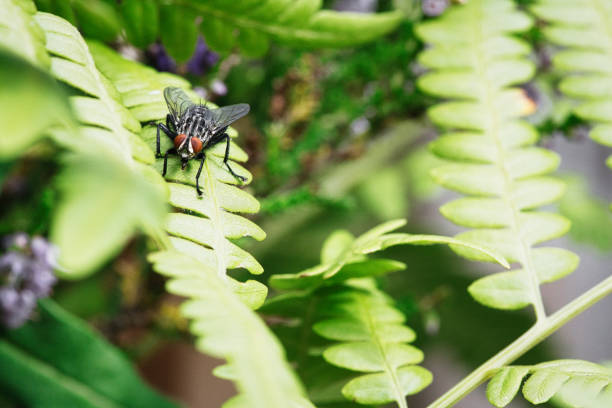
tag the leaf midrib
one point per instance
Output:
(269, 27)
(391, 372)
(525, 248)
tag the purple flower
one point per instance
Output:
(202, 59)
(26, 273)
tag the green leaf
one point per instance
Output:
(227, 328)
(68, 364)
(374, 340)
(110, 190)
(583, 29)
(141, 21)
(103, 177)
(21, 34)
(179, 33)
(570, 382)
(475, 64)
(504, 290)
(97, 19)
(504, 386)
(372, 389)
(299, 23)
(27, 86)
(342, 249)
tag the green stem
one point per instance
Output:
(527, 341)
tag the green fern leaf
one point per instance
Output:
(205, 228)
(104, 177)
(373, 340)
(299, 23)
(228, 329)
(342, 255)
(475, 62)
(583, 28)
(340, 295)
(95, 18)
(26, 85)
(141, 21)
(20, 34)
(575, 383)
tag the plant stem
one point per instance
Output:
(537, 333)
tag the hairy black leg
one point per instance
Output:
(225, 158)
(168, 133)
(170, 123)
(170, 150)
(203, 157)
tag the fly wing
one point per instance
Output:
(226, 115)
(177, 100)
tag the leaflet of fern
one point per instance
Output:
(251, 25)
(110, 154)
(340, 294)
(226, 328)
(583, 28)
(205, 226)
(475, 63)
(573, 383)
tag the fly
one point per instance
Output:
(194, 128)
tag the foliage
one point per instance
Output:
(335, 139)
(228, 329)
(107, 141)
(495, 162)
(571, 382)
(72, 367)
(340, 293)
(225, 24)
(582, 27)
(205, 226)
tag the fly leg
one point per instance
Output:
(203, 157)
(168, 133)
(219, 138)
(227, 147)
(170, 150)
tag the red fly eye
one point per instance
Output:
(196, 144)
(179, 139)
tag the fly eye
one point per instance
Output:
(196, 144)
(179, 139)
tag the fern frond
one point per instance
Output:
(103, 177)
(475, 61)
(207, 224)
(340, 294)
(229, 329)
(95, 18)
(373, 339)
(583, 28)
(250, 26)
(574, 383)
(20, 34)
(342, 250)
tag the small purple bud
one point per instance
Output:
(40, 280)
(16, 307)
(218, 87)
(44, 252)
(433, 8)
(13, 267)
